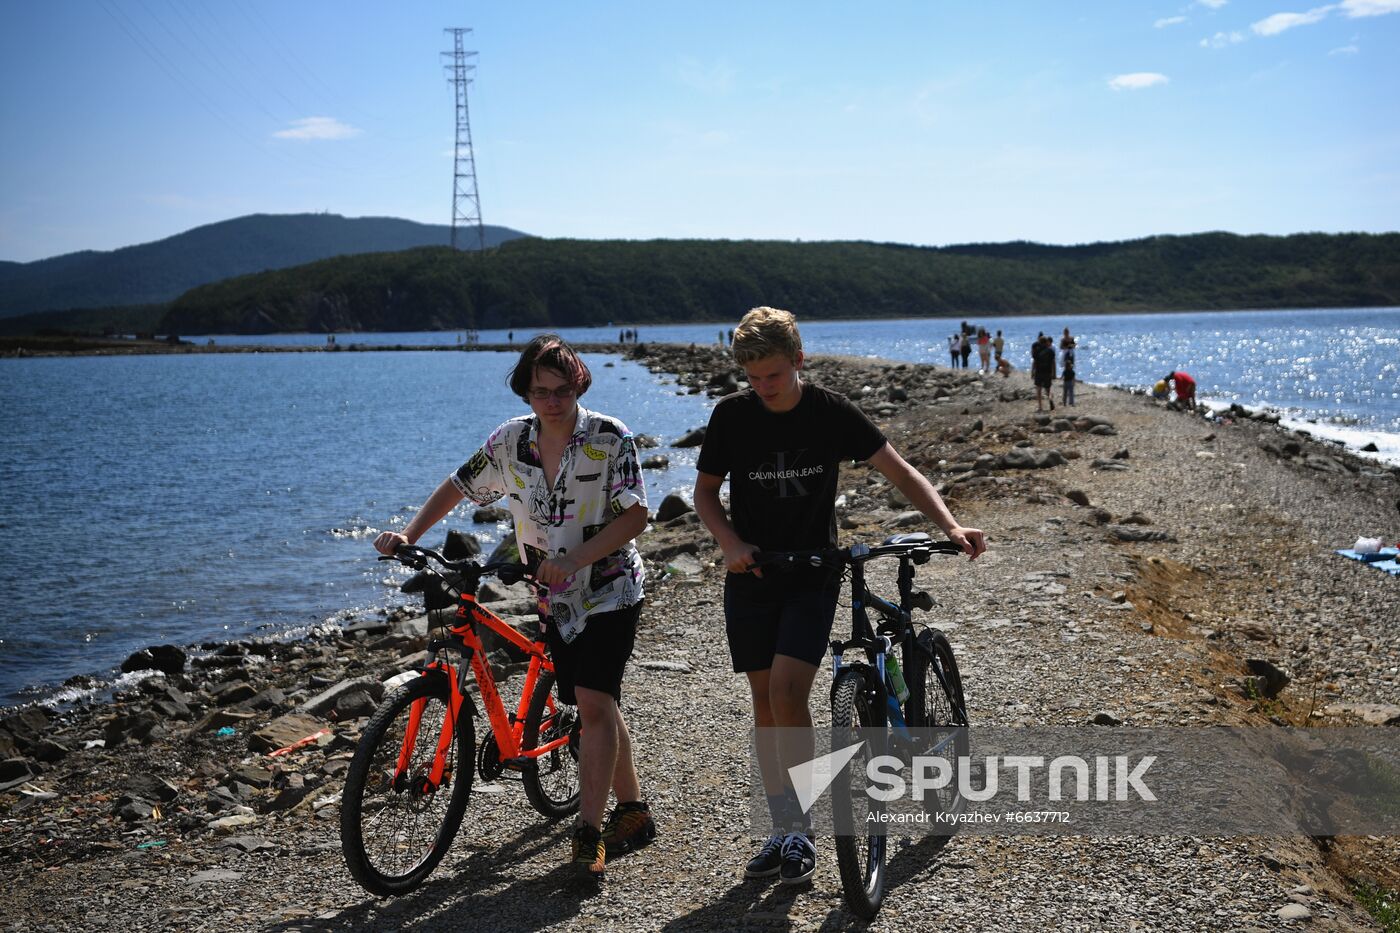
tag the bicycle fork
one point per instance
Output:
(438, 773)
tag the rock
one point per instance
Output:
(1371, 448)
(286, 730)
(1254, 631)
(49, 751)
(490, 514)
(1120, 455)
(1137, 518)
(148, 786)
(1372, 714)
(646, 441)
(905, 520)
(291, 790)
(167, 659)
(1078, 497)
(215, 876)
(249, 774)
(684, 565)
(1294, 912)
(1061, 425)
(1323, 464)
(1100, 463)
(139, 727)
(355, 704)
(329, 698)
(227, 824)
(1105, 718)
(656, 462)
(134, 810)
(1272, 679)
(1134, 533)
(1103, 429)
(1100, 516)
(671, 507)
(692, 439)
(220, 718)
(1031, 458)
(680, 667)
(270, 698)
(232, 692)
(506, 550)
(16, 771)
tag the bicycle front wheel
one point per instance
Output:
(936, 703)
(860, 850)
(396, 820)
(552, 784)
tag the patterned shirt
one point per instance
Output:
(599, 478)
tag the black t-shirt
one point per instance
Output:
(783, 468)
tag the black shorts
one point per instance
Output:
(787, 613)
(596, 658)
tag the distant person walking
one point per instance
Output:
(984, 350)
(953, 350)
(1043, 371)
(1067, 377)
(964, 348)
(998, 344)
(1185, 388)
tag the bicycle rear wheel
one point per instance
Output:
(860, 852)
(552, 785)
(936, 702)
(395, 826)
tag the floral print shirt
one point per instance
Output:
(599, 478)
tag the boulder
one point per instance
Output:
(286, 730)
(1271, 678)
(331, 697)
(1135, 533)
(168, 659)
(692, 439)
(1078, 497)
(483, 516)
(671, 507)
(656, 462)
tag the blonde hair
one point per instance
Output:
(765, 332)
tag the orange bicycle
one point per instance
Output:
(407, 786)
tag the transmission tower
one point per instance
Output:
(466, 203)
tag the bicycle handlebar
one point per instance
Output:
(918, 547)
(411, 555)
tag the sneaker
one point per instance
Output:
(799, 858)
(769, 859)
(628, 827)
(589, 853)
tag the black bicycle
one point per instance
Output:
(861, 698)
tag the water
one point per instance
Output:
(186, 499)
(182, 499)
(1337, 366)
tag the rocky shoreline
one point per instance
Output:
(1148, 567)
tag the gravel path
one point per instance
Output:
(1059, 622)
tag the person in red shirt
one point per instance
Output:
(1185, 388)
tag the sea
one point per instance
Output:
(197, 499)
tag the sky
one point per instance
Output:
(126, 121)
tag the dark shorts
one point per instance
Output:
(779, 613)
(596, 658)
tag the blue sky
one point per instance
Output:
(126, 121)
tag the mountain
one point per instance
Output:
(158, 272)
(541, 282)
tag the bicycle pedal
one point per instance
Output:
(519, 764)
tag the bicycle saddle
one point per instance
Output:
(913, 537)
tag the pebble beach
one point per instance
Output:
(1147, 567)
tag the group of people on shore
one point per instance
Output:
(960, 346)
(573, 485)
(1043, 369)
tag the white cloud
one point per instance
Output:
(1213, 4)
(1221, 39)
(711, 79)
(1168, 21)
(1358, 8)
(318, 128)
(1136, 81)
(1345, 50)
(1279, 22)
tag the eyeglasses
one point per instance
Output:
(563, 393)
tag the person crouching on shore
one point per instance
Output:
(562, 457)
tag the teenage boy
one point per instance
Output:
(781, 442)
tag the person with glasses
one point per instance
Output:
(572, 481)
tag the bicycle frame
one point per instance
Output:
(507, 728)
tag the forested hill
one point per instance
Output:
(533, 282)
(163, 270)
